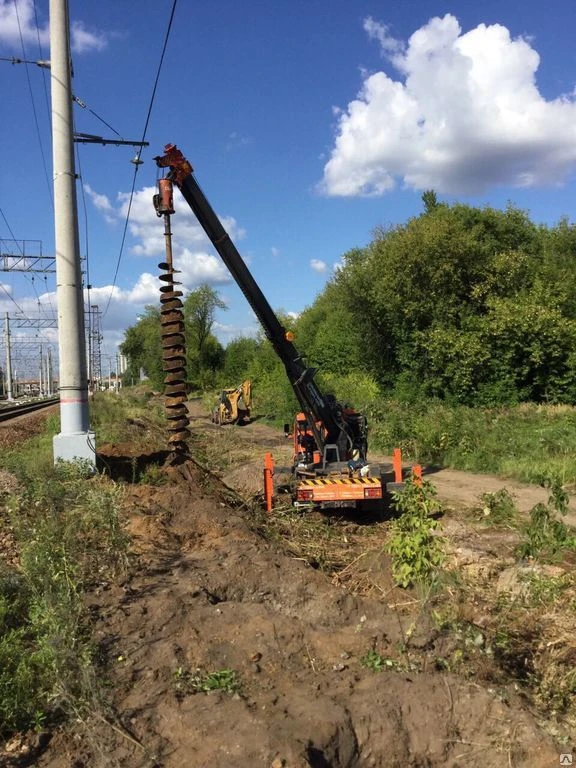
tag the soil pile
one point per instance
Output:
(223, 651)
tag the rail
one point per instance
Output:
(9, 412)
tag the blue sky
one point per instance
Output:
(309, 124)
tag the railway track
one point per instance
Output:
(9, 412)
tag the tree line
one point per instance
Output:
(470, 305)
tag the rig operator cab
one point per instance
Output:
(330, 465)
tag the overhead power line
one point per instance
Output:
(137, 161)
(34, 109)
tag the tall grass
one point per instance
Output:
(68, 533)
(111, 414)
(526, 442)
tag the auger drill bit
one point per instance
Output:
(172, 329)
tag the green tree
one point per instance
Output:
(239, 358)
(329, 334)
(417, 291)
(430, 201)
(143, 349)
(204, 352)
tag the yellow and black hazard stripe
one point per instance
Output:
(319, 481)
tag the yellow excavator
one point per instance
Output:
(234, 405)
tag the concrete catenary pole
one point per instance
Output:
(75, 440)
(9, 395)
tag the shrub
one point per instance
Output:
(415, 551)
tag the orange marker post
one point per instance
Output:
(397, 464)
(268, 481)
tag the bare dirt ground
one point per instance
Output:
(213, 599)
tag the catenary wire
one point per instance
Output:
(41, 52)
(144, 132)
(34, 109)
(85, 211)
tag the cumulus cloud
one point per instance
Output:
(191, 247)
(464, 114)
(19, 24)
(318, 265)
(192, 253)
(83, 40)
(102, 203)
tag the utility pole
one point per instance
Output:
(75, 440)
(49, 372)
(41, 374)
(9, 395)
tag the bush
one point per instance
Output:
(415, 551)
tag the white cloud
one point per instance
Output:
(190, 245)
(102, 203)
(225, 332)
(82, 40)
(379, 32)
(19, 24)
(464, 114)
(318, 265)
(275, 251)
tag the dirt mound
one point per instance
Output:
(223, 651)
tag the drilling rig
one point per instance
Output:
(330, 465)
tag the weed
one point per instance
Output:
(415, 551)
(186, 682)
(498, 509)
(544, 591)
(374, 661)
(153, 475)
(544, 536)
